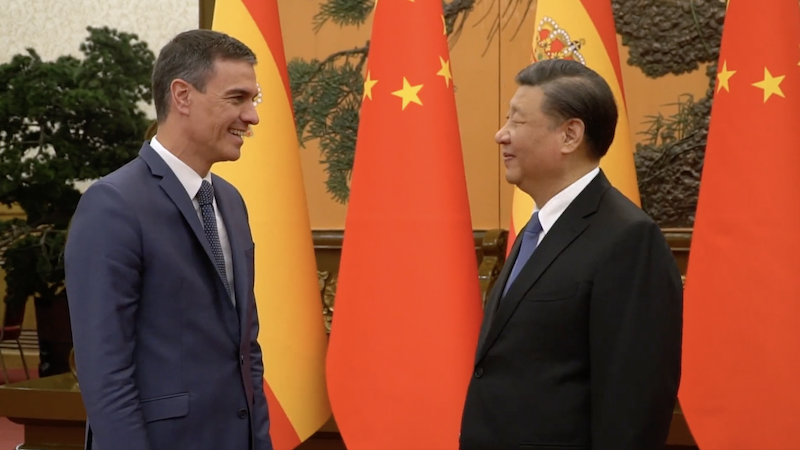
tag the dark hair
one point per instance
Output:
(572, 90)
(190, 56)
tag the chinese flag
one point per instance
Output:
(269, 176)
(589, 23)
(408, 311)
(741, 364)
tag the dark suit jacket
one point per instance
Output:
(584, 350)
(164, 359)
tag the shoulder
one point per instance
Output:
(128, 179)
(629, 224)
(115, 191)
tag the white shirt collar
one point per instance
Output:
(190, 179)
(552, 210)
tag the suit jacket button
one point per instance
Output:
(479, 372)
(242, 413)
(241, 359)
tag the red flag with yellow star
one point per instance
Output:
(407, 312)
(741, 363)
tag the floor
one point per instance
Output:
(11, 433)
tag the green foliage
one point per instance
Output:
(326, 94)
(343, 12)
(666, 130)
(327, 98)
(63, 121)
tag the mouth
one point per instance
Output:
(241, 133)
(507, 156)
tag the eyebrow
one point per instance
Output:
(240, 91)
(514, 109)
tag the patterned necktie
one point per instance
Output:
(205, 197)
(530, 239)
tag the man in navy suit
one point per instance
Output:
(159, 270)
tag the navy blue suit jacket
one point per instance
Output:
(164, 359)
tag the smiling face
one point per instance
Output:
(532, 143)
(219, 117)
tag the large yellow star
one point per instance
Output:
(368, 84)
(770, 85)
(445, 71)
(408, 93)
(724, 76)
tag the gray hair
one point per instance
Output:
(572, 90)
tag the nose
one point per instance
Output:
(250, 115)
(501, 137)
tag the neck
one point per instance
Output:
(543, 191)
(179, 145)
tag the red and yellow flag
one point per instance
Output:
(583, 30)
(269, 177)
(407, 316)
(741, 352)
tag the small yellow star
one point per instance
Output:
(445, 71)
(444, 27)
(368, 84)
(408, 93)
(770, 85)
(724, 76)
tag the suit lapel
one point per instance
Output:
(226, 201)
(567, 228)
(490, 308)
(177, 193)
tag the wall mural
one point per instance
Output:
(663, 37)
(672, 37)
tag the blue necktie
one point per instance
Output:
(530, 239)
(205, 197)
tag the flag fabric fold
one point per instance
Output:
(269, 176)
(741, 368)
(584, 31)
(407, 312)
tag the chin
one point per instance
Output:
(512, 177)
(232, 154)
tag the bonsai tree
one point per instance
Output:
(62, 122)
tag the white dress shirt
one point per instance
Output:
(191, 181)
(552, 210)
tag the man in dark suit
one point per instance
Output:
(159, 270)
(580, 347)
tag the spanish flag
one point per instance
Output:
(292, 334)
(741, 351)
(584, 31)
(408, 312)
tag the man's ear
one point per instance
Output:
(573, 135)
(180, 94)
